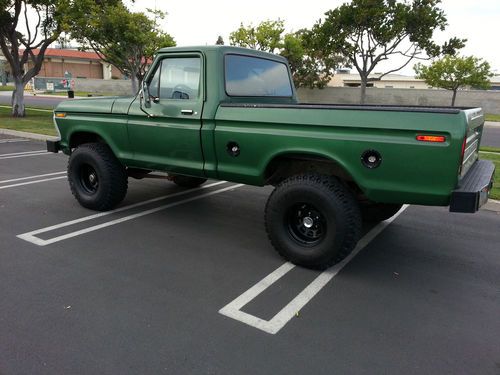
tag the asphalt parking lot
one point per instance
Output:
(186, 282)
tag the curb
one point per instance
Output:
(35, 136)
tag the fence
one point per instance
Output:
(95, 86)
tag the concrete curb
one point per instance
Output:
(492, 124)
(492, 205)
(35, 136)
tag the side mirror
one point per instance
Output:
(145, 96)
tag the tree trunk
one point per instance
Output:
(18, 109)
(363, 90)
(135, 84)
(453, 98)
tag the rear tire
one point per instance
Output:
(96, 177)
(187, 181)
(376, 212)
(313, 220)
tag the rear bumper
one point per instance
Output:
(53, 146)
(474, 188)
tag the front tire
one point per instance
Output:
(96, 177)
(313, 220)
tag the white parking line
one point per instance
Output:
(273, 326)
(31, 182)
(26, 155)
(23, 153)
(31, 177)
(13, 140)
(31, 236)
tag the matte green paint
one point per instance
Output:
(411, 171)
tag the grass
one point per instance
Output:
(490, 117)
(35, 122)
(495, 192)
(489, 149)
(6, 88)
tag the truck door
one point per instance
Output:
(169, 138)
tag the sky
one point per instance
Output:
(199, 22)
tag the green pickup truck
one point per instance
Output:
(227, 113)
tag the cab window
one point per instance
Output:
(177, 78)
(253, 76)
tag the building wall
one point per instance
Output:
(488, 100)
(79, 69)
(396, 81)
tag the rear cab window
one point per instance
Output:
(254, 76)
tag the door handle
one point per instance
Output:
(187, 111)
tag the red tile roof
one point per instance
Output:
(69, 54)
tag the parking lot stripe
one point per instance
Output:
(26, 155)
(273, 326)
(23, 153)
(31, 177)
(31, 236)
(13, 140)
(31, 182)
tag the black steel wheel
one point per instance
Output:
(313, 220)
(96, 177)
(89, 180)
(306, 224)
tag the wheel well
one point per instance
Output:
(284, 166)
(80, 138)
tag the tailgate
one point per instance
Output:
(475, 123)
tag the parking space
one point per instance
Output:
(185, 281)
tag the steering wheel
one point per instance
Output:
(181, 92)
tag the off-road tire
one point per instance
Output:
(99, 160)
(187, 181)
(331, 202)
(377, 212)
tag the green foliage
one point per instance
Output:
(455, 72)
(267, 36)
(310, 65)
(368, 32)
(127, 40)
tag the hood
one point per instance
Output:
(88, 105)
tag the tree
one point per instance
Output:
(124, 39)
(3, 74)
(220, 41)
(455, 72)
(18, 46)
(310, 66)
(368, 32)
(267, 36)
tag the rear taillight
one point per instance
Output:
(431, 138)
